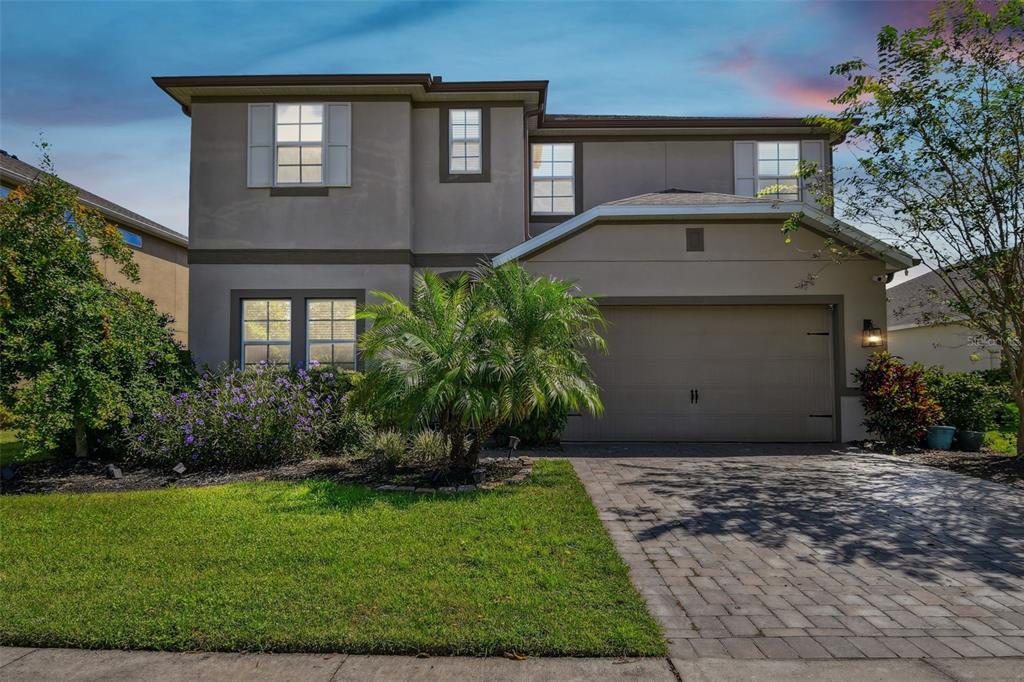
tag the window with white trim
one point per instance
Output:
(552, 175)
(777, 166)
(299, 144)
(465, 135)
(331, 332)
(266, 331)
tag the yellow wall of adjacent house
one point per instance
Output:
(163, 277)
(948, 345)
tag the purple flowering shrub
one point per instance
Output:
(252, 417)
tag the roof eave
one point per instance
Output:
(417, 86)
(166, 234)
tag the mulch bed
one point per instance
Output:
(991, 466)
(89, 476)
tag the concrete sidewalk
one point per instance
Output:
(73, 665)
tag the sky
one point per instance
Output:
(79, 73)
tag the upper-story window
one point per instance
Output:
(553, 184)
(300, 144)
(299, 140)
(130, 237)
(777, 166)
(465, 137)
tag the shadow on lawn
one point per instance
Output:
(327, 497)
(839, 509)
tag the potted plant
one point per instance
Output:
(968, 403)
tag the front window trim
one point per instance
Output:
(456, 136)
(553, 177)
(304, 108)
(268, 341)
(333, 340)
(771, 152)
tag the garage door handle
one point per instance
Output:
(696, 395)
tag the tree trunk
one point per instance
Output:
(1018, 396)
(483, 433)
(81, 440)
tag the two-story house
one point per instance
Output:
(308, 192)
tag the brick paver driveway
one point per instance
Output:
(814, 554)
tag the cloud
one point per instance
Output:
(807, 87)
(98, 71)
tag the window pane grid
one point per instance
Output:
(777, 167)
(331, 332)
(299, 138)
(553, 179)
(464, 141)
(266, 331)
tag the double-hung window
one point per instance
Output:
(553, 185)
(465, 141)
(331, 332)
(299, 143)
(266, 331)
(777, 166)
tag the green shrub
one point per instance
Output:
(967, 401)
(387, 449)
(897, 406)
(429, 448)
(246, 418)
(79, 355)
(541, 428)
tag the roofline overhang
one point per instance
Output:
(894, 258)
(165, 233)
(591, 125)
(419, 87)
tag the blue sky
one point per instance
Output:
(79, 72)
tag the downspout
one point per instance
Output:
(528, 167)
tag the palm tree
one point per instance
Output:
(538, 333)
(425, 360)
(471, 353)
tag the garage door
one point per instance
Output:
(713, 373)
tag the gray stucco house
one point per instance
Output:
(308, 192)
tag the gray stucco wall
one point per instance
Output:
(469, 217)
(211, 285)
(617, 169)
(374, 213)
(743, 260)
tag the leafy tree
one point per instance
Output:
(937, 131)
(77, 353)
(468, 354)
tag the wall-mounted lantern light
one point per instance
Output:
(872, 337)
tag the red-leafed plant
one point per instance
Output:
(897, 406)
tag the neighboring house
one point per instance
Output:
(309, 192)
(160, 252)
(921, 330)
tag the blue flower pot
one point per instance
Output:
(941, 437)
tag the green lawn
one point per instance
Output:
(317, 566)
(12, 451)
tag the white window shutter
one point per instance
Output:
(744, 156)
(812, 151)
(261, 145)
(339, 145)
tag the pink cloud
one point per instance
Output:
(798, 90)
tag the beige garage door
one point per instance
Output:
(713, 373)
